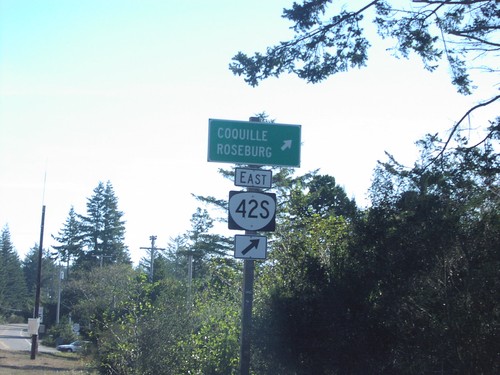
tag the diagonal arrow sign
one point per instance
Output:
(286, 144)
(253, 143)
(254, 244)
(250, 246)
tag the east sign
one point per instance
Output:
(256, 178)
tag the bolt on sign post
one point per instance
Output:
(253, 144)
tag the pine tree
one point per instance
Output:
(3, 281)
(13, 294)
(103, 230)
(114, 228)
(49, 274)
(70, 238)
(202, 244)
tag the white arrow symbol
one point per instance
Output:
(286, 144)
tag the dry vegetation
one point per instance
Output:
(19, 362)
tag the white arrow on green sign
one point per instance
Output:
(255, 143)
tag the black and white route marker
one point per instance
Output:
(250, 246)
(252, 211)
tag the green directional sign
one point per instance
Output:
(255, 143)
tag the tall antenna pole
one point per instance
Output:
(34, 337)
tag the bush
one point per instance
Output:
(62, 333)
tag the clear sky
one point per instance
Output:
(122, 90)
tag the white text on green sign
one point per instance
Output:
(257, 143)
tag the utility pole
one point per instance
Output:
(152, 255)
(190, 279)
(34, 337)
(60, 276)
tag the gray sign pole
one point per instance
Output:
(246, 320)
(247, 303)
(253, 145)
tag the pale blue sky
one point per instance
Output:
(122, 90)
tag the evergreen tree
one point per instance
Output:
(188, 256)
(49, 274)
(49, 282)
(331, 38)
(168, 263)
(70, 238)
(301, 294)
(114, 228)
(429, 258)
(175, 257)
(13, 292)
(3, 281)
(202, 244)
(103, 230)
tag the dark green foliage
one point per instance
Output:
(173, 262)
(71, 239)
(314, 54)
(60, 334)
(13, 293)
(429, 236)
(308, 307)
(203, 245)
(409, 285)
(49, 281)
(201, 241)
(320, 195)
(165, 325)
(330, 39)
(212, 345)
(102, 230)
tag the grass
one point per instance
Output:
(20, 362)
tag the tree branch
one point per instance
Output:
(489, 135)
(457, 125)
(325, 28)
(450, 2)
(464, 35)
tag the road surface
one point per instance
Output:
(15, 337)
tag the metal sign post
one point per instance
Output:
(252, 144)
(246, 316)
